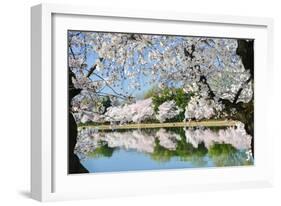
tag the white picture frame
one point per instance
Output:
(49, 178)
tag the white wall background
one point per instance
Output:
(15, 100)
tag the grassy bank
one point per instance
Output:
(205, 123)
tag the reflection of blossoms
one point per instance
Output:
(145, 140)
(237, 137)
(130, 140)
(167, 110)
(167, 139)
(141, 141)
(85, 143)
(88, 140)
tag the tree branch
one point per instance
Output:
(240, 90)
(120, 95)
(93, 68)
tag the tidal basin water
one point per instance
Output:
(162, 148)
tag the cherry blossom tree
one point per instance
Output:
(209, 66)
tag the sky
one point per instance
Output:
(145, 85)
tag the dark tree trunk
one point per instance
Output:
(74, 165)
(246, 51)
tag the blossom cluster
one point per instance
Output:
(136, 112)
(142, 110)
(168, 110)
(202, 108)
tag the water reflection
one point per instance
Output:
(164, 148)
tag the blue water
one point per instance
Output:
(123, 160)
(149, 149)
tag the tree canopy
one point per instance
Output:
(114, 65)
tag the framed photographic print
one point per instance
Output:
(137, 102)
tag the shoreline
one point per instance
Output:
(205, 123)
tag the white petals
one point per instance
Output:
(237, 137)
(136, 112)
(167, 110)
(201, 108)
